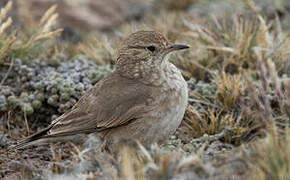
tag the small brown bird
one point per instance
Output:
(144, 99)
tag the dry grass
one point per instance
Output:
(229, 89)
(20, 45)
(249, 57)
(158, 164)
(228, 44)
(101, 49)
(6, 41)
(269, 158)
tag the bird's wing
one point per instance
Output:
(114, 101)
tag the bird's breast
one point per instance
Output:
(170, 102)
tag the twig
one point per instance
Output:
(26, 124)
(203, 102)
(214, 137)
(6, 75)
(8, 123)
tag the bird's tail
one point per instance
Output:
(30, 139)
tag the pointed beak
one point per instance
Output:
(175, 47)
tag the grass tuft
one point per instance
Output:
(21, 45)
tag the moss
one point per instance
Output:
(36, 104)
(66, 90)
(55, 75)
(58, 80)
(39, 86)
(24, 96)
(13, 100)
(40, 97)
(206, 90)
(64, 96)
(27, 108)
(53, 90)
(53, 100)
(99, 74)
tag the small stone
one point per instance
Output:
(18, 62)
(80, 87)
(31, 97)
(173, 137)
(23, 78)
(205, 135)
(4, 141)
(188, 148)
(54, 117)
(3, 103)
(6, 91)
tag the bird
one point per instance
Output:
(144, 99)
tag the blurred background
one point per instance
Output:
(99, 15)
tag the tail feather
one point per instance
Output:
(43, 134)
(28, 140)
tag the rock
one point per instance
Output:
(5, 90)
(176, 5)
(4, 141)
(84, 14)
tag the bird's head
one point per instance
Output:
(145, 50)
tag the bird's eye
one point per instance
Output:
(151, 48)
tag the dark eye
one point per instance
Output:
(151, 48)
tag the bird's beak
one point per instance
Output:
(175, 47)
